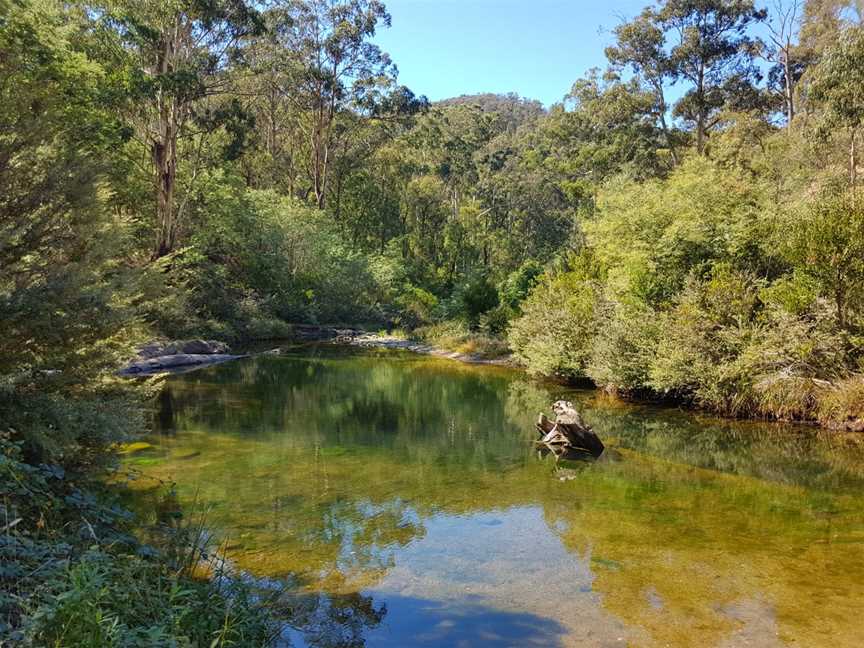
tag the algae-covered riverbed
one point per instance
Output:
(399, 500)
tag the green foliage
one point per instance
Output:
(454, 335)
(260, 260)
(415, 306)
(559, 319)
(838, 80)
(827, 244)
(652, 235)
(175, 169)
(519, 283)
(703, 336)
(105, 601)
(624, 348)
(73, 574)
(706, 295)
(64, 298)
(476, 296)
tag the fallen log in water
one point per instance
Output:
(568, 433)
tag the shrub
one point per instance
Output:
(842, 405)
(793, 359)
(702, 338)
(415, 306)
(624, 348)
(827, 245)
(495, 322)
(653, 235)
(519, 283)
(476, 297)
(74, 575)
(558, 323)
(107, 600)
(454, 335)
(256, 258)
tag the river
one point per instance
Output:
(398, 501)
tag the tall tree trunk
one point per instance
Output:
(788, 89)
(165, 160)
(853, 159)
(701, 116)
(164, 151)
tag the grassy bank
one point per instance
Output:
(455, 336)
(76, 567)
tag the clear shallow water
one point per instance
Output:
(399, 500)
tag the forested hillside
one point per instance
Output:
(687, 223)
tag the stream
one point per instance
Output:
(399, 501)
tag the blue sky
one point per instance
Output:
(537, 48)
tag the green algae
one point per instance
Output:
(338, 472)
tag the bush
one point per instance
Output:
(652, 236)
(107, 600)
(454, 335)
(553, 336)
(495, 322)
(258, 259)
(624, 348)
(476, 297)
(842, 405)
(827, 245)
(74, 575)
(519, 284)
(415, 306)
(702, 338)
(55, 427)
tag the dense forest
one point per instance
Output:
(685, 224)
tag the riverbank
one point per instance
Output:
(395, 342)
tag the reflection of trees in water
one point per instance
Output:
(770, 451)
(165, 414)
(365, 536)
(331, 620)
(425, 413)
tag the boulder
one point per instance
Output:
(161, 348)
(174, 362)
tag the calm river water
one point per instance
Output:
(399, 502)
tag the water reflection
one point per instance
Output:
(400, 497)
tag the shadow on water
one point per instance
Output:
(355, 620)
(438, 624)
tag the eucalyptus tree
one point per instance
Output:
(838, 86)
(782, 51)
(176, 54)
(328, 68)
(639, 46)
(823, 20)
(711, 49)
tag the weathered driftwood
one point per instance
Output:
(568, 432)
